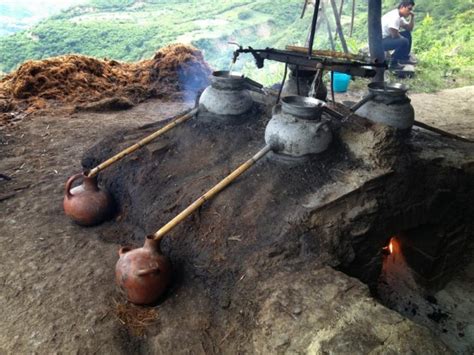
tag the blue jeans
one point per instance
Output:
(401, 45)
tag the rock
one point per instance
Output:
(340, 317)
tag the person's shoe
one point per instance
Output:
(407, 61)
(395, 66)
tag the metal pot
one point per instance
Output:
(296, 129)
(228, 94)
(387, 103)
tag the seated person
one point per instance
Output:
(392, 38)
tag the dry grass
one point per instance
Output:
(135, 318)
(77, 79)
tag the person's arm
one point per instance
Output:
(394, 33)
(410, 25)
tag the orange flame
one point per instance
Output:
(390, 246)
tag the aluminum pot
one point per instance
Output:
(296, 129)
(387, 103)
(227, 95)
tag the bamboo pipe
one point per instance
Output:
(209, 194)
(324, 53)
(182, 118)
(441, 132)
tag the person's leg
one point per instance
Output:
(407, 35)
(400, 45)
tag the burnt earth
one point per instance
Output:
(57, 279)
(338, 208)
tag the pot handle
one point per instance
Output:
(152, 270)
(253, 85)
(362, 102)
(69, 182)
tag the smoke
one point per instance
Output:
(193, 78)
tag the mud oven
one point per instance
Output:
(370, 196)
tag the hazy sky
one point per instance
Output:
(40, 3)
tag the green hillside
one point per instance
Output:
(131, 30)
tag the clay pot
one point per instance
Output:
(143, 274)
(227, 95)
(86, 204)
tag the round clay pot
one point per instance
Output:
(86, 204)
(143, 274)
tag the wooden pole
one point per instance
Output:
(339, 27)
(209, 194)
(375, 37)
(340, 8)
(314, 21)
(353, 15)
(440, 131)
(328, 27)
(142, 143)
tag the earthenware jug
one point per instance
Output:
(87, 204)
(143, 274)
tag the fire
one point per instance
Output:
(390, 248)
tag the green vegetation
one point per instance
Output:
(131, 30)
(443, 43)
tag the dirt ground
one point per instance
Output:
(57, 283)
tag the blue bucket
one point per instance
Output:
(341, 82)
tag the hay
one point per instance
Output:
(135, 318)
(79, 80)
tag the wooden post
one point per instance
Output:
(328, 25)
(340, 8)
(339, 27)
(375, 37)
(353, 15)
(313, 28)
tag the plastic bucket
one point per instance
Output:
(341, 82)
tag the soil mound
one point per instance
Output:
(79, 80)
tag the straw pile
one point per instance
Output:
(78, 80)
